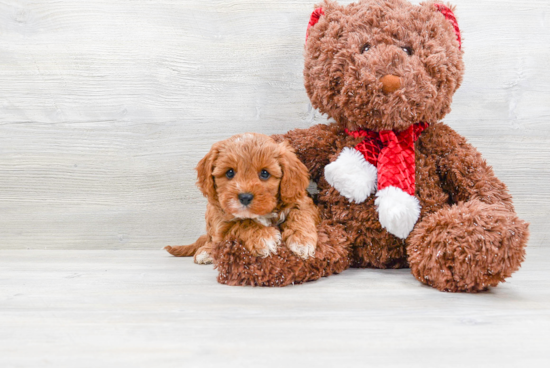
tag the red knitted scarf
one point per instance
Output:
(392, 153)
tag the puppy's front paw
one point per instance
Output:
(264, 243)
(301, 244)
(302, 250)
(203, 257)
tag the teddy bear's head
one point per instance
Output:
(383, 64)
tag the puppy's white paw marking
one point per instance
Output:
(302, 250)
(203, 258)
(352, 175)
(270, 244)
(397, 211)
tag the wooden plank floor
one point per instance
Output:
(139, 308)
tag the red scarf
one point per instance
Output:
(392, 153)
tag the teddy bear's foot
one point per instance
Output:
(467, 247)
(237, 266)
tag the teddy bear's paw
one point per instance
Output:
(397, 211)
(352, 175)
(203, 258)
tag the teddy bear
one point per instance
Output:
(397, 187)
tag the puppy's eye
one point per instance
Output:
(230, 174)
(408, 50)
(264, 175)
(365, 48)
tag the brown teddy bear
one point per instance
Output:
(397, 187)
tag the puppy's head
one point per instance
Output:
(250, 175)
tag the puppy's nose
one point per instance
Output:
(246, 198)
(390, 83)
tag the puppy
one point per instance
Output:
(256, 191)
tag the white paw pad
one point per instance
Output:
(352, 175)
(302, 250)
(397, 211)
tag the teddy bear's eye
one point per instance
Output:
(230, 174)
(365, 48)
(408, 50)
(264, 175)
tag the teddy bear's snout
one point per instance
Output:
(390, 83)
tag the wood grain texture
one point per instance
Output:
(107, 106)
(144, 308)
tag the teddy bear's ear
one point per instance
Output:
(327, 8)
(450, 16)
(315, 16)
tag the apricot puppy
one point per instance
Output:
(256, 191)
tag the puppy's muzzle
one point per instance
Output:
(245, 198)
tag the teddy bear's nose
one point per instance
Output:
(390, 83)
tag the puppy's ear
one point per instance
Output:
(205, 167)
(295, 178)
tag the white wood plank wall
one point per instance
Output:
(107, 106)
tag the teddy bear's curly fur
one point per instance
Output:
(467, 236)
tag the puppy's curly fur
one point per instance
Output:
(256, 191)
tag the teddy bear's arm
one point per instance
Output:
(479, 240)
(314, 146)
(464, 173)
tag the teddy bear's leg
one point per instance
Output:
(237, 266)
(467, 247)
(379, 250)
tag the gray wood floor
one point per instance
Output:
(139, 308)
